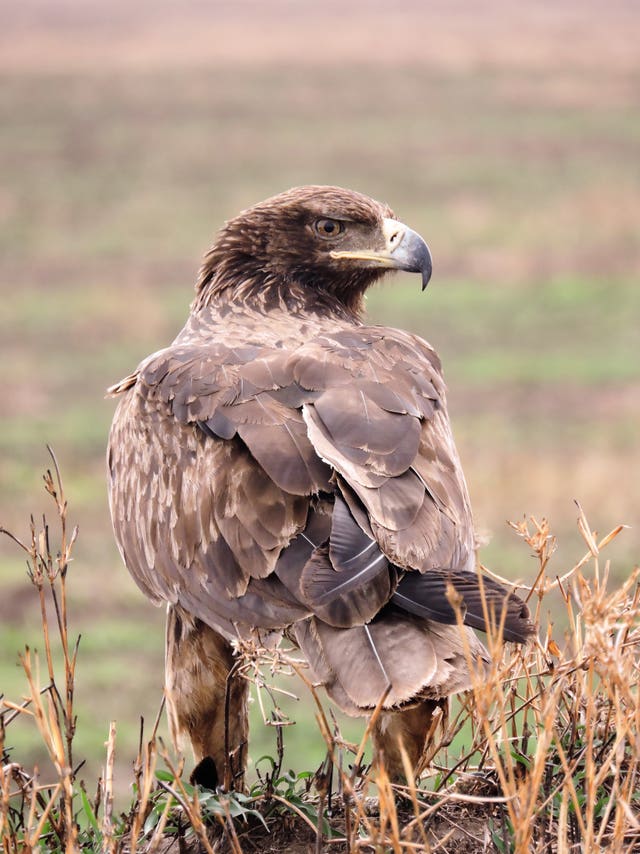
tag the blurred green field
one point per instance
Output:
(524, 180)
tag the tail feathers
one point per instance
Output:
(409, 656)
(425, 594)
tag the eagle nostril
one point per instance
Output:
(394, 232)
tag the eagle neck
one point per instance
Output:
(263, 293)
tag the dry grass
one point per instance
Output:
(552, 761)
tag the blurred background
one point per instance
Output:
(508, 134)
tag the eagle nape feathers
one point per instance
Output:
(284, 468)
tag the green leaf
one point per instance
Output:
(88, 811)
(152, 820)
(521, 759)
(165, 776)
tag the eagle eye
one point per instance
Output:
(328, 227)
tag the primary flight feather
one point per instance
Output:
(282, 467)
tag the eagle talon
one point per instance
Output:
(205, 774)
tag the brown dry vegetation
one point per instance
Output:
(551, 760)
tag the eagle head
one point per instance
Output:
(310, 241)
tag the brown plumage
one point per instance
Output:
(283, 467)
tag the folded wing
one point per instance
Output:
(264, 487)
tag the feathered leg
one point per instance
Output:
(197, 678)
(412, 727)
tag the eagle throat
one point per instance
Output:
(240, 278)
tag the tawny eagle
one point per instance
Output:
(283, 467)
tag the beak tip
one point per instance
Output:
(426, 270)
(413, 255)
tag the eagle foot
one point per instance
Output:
(205, 774)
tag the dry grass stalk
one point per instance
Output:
(51, 709)
(109, 841)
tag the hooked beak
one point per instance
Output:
(404, 250)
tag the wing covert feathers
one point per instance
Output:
(304, 478)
